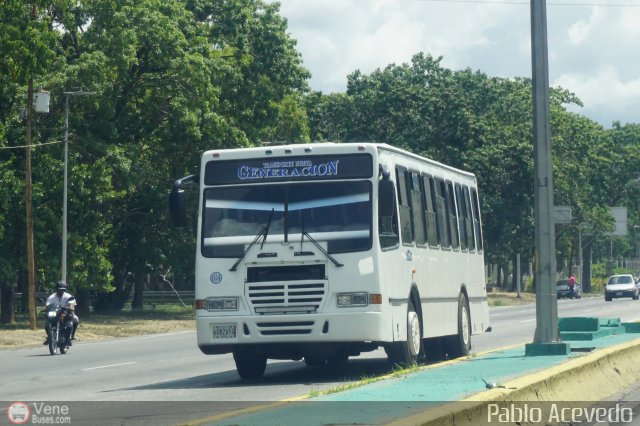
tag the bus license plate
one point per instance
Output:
(223, 331)
(618, 293)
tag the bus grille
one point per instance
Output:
(285, 328)
(271, 298)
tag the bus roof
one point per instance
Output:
(320, 148)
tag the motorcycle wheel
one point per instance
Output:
(53, 340)
(62, 341)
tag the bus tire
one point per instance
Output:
(460, 344)
(406, 353)
(250, 365)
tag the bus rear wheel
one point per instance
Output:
(460, 344)
(406, 353)
(250, 365)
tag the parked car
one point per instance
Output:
(563, 290)
(621, 286)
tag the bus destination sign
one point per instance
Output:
(318, 167)
(294, 169)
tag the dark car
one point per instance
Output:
(563, 290)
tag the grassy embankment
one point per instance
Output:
(126, 323)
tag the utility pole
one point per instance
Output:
(31, 283)
(546, 334)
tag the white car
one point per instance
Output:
(620, 286)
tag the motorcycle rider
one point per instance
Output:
(62, 299)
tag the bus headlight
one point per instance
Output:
(222, 304)
(353, 299)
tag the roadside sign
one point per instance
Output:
(562, 215)
(620, 222)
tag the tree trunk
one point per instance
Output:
(514, 274)
(138, 287)
(84, 302)
(586, 269)
(7, 304)
(501, 276)
(24, 289)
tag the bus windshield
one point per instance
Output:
(338, 213)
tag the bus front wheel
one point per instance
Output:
(250, 365)
(406, 353)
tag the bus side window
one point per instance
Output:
(387, 217)
(444, 234)
(406, 226)
(461, 217)
(417, 209)
(430, 210)
(468, 220)
(453, 217)
(476, 218)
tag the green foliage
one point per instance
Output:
(462, 118)
(483, 124)
(170, 80)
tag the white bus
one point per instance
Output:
(323, 251)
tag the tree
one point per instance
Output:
(26, 40)
(478, 123)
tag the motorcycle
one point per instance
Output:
(59, 319)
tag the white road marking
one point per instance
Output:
(528, 320)
(109, 366)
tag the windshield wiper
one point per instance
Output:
(266, 229)
(263, 232)
(303, 234)
(302, 253)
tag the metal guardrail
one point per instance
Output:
(154, 298)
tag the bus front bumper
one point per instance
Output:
(224, 334)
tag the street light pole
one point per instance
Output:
(67, 95)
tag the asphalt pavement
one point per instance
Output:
(187, 385)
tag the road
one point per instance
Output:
(170, 367)
(516, 324)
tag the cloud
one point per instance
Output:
(589, 46)
(579, 31)
(341, 36)
(605, 94)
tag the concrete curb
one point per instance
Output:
(591, 377)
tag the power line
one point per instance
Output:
(32, 145)
(527, 3)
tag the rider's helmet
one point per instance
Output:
(61, 285)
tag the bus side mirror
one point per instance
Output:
(178, 207)
(386, 198)
(178, 200)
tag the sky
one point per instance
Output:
(594, 45)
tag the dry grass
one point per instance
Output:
(97, 327)
(507, 298)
